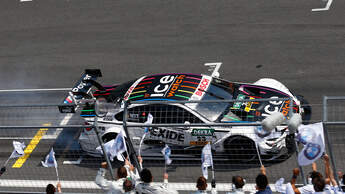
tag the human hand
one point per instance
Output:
(140, 159)
(104, 165)
(58, 186)
(166, 176)
(131, 168)
(263, 169)
(127, 162)
(325, 158)
(295, 171)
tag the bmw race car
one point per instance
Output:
(164, 91)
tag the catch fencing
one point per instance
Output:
(179, 125)
(77, 170)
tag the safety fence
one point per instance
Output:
(179, 124)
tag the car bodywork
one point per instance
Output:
(227, 141)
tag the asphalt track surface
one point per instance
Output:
(48, 44)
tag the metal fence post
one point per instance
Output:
(325, 98)
(110, 168)
(297, 150)
(131, 151)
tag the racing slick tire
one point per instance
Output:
(240, 148)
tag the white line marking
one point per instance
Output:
(24, 0)
(44, 137)
(73, 162)
(93, 185)
(64, 121)
(36, 90)
(325, 8)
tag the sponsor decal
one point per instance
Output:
(202, 132)
(161, 88)
(237, 105)
(176, 85)
(272, 107)
(203, 86)
(248, 107)
(286, 108)
(82, 84)
(130, 89)
(198, 143)
(167, 134)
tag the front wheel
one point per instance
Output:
(240, 148)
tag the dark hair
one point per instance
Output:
(319, 184)
(201, 183)
(121, 172)
(314, 175)
(238, 181)
(127, 185)
(145, 175)
(50, 189)
(344, 179)
(261, 181)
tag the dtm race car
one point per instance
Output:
(164, 91)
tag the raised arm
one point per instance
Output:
(295, 174)
(263, 170)
(100, 180)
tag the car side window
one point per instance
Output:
(162, 113)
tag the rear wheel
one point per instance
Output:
(240, 148)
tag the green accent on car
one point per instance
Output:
(238, 104)
(202, 132)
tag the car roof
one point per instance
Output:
(168, 87)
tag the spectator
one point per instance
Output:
(128, 187)
(319, 185)
(237, 185)
(112, 186)
(146, 187)
(262, 182)
(309, 188)
(201, 184)
(50, 189)
(341, 177)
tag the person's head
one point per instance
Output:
(313, 175)
(50, 189)
(201, 183)
(319, 184)
(238, 182)
(121, 172)
(127, 185)
(146, 176)
(261, 182)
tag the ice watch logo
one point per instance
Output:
(312, 151)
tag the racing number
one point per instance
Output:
(272, 107)
(201, 138)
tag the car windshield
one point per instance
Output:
(212, 111)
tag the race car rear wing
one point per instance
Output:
(81, 91)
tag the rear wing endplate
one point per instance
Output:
(81, 90)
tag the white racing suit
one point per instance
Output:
(149, 188)
(114, 187)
